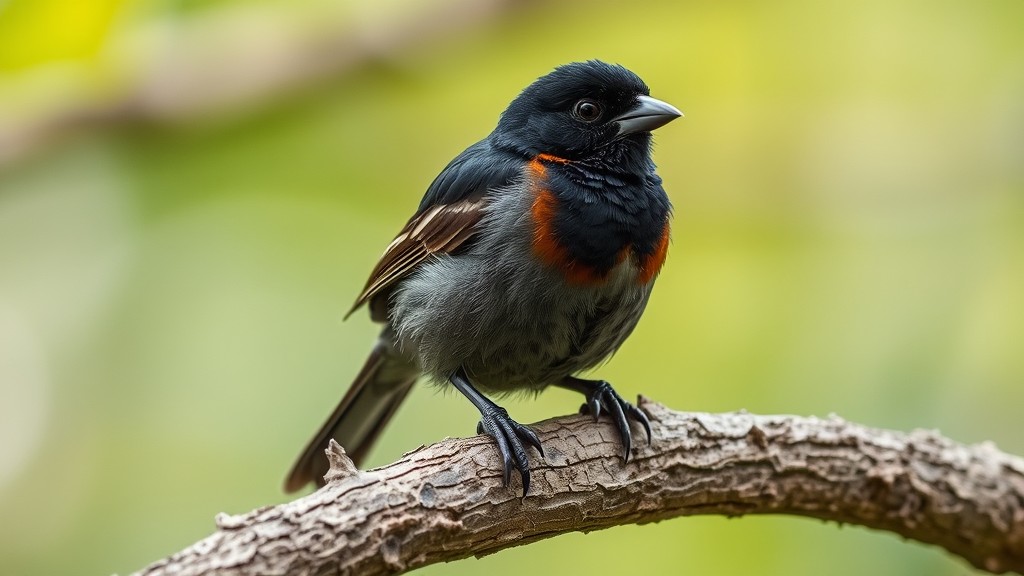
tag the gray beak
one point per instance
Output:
(649, 114)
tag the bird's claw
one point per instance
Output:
(603, 396)
(510, 436)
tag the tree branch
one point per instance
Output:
(445, 501)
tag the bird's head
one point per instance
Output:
(579, 109)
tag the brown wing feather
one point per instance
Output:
(439, 229)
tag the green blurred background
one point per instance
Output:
(192, 192)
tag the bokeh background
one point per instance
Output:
(192, 192)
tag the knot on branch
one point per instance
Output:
(341, 465)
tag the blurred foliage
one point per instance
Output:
(849, 238)
(40, 32)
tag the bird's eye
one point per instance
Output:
(587, 110)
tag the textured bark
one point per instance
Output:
(445, 501)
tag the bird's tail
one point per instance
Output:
(376, 393)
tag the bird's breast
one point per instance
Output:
(586, 234)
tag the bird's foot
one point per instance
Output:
(601, 396)
(510, 437)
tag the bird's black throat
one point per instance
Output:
(608, 203)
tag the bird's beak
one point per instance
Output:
(649, 114)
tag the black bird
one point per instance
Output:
(529, 260)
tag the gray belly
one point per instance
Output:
(510, 321)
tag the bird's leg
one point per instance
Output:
(507, 433)
(601, 396)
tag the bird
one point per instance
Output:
(529, 260)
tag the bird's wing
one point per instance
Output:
(440, 229)
(447, 216)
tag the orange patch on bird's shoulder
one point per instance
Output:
(545, 205)
(547, 248)
(651, 264)
(551, 158)
(537, 168)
